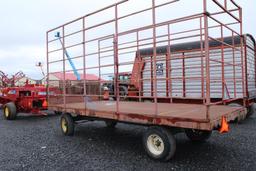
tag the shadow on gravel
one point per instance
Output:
(31, 117)
(129, 139)
(121, 138)
(248, 120)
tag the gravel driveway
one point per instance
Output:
(36, 143)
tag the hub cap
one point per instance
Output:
(155, 144)
(64, 125)
(6, 112)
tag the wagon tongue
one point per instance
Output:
(224, 126)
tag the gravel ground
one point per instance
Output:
(36, 143)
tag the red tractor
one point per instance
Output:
(27, 99)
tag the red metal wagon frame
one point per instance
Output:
(68, 102)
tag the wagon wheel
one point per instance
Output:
(238, 119)
(198, 135)
(110, 124)
(10, 111)
(251, 110)
(159, 143)
(57, 112)
(67, 124)
(123, 91)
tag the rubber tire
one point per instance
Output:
(168, 140)
(70, 124)
(12, 109)
(57, 112)
(251, 110)
(111, 124)
(198, 136)
(238, 119)
(123, 91)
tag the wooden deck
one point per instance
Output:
(180, 115)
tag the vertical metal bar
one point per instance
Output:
(47, 61)
(169, 64)
(202, 60)
(255, 65)
(234, 65)
(207, 59)
(154, 55)
(246, 67)
(139, 57)
(152, 75)
(99, 69)
(183, 74)
(116, 60)
(167, 74)
(225, 4)
(64, 69)
(84, 64)
(222, 64)
(242, 55)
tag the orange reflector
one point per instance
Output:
(224, 126)
(45, 104)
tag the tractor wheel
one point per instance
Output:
(57, 112)
(123, 91)
(10, 111)
(67, 124)
(251, 110)
(198, 135)
(159, 143)
(110, 124)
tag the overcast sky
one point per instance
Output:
(23, 26)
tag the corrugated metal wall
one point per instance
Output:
(250, 66)
(186, 69)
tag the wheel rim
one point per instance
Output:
(64, 125)
(6, 112)
(155, 144)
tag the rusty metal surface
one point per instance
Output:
(181, 115)
(107, 47)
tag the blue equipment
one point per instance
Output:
(69, 58)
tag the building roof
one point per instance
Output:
(71, 76)
(193, 45)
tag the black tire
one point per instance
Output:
(67, 124)
(111, 124)
(198, 135)
(238, 119)
(123, 91)
(159, 143)
(57, 112)
(10, 111)
(251, 110)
